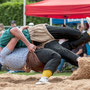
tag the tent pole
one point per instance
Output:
(65, 17)
(50, 21)
(24, 16)
(82, 21)
(64, 21)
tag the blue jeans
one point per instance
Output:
(61, 65)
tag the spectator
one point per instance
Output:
(60, 67)
(13, 23)
(31, 24)
(81, 50)
(88, 48)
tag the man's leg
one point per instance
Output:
(51, 60)
(66, 54)
(64, 32)
(59, 68)
(85, 37)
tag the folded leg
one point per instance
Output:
(49, 58)
(85, 37)
(64, 32)
(66, 54)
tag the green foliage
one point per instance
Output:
(11, 11)
(68, 67)
(62, 74)
(37, 20)
(14, 11)
(2, 1)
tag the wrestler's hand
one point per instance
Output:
(32, 47)
(24, 27)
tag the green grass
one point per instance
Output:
(33, 73)
(63, 74)
(1, 72)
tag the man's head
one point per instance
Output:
(13, 23)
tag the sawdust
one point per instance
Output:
(83, 72)
(23, 82)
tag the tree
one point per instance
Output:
(2, 1)
(35, 0)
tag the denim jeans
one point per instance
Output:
(61, 65)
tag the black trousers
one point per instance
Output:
(68, 55)
(49, 58)
(75, 37)
(64, 32)
(72, 44)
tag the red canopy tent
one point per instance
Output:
(59, 9)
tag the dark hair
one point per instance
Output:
(13, 21)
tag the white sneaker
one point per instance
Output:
(42, 81)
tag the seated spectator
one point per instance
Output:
(60, 67)
(88, 48)
(81, 50)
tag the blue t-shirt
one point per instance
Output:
(88, 49)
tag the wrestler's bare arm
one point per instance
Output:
(17, 33)
(23, 28)
(12, 43)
